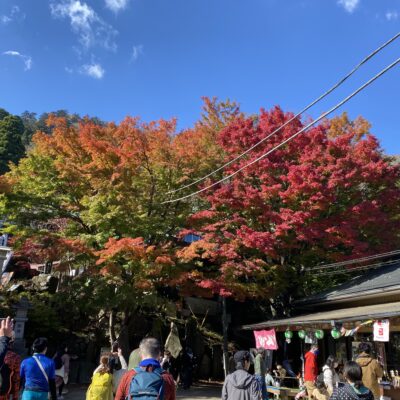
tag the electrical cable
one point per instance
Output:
(365, 267)
(335, 86)
(325, 114)
(353, 261)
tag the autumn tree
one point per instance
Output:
(322, 197)
(342, 125)
(91, 196)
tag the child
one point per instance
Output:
(321, 391)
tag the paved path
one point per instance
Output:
(198, 392)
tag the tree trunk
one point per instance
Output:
(123, 338)
(112, 327)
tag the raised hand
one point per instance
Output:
(6, 327)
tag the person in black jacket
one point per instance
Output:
(6, 331)
(354, 388)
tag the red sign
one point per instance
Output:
(266, 339)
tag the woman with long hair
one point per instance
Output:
(101, 387)
(331, 378)
(353, 389)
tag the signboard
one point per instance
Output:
(266, 339)
(381, 331)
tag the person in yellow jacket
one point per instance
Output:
(371, 369)
(101, 387)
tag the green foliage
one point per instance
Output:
(43, 318)
(34, 123)
(11, 147)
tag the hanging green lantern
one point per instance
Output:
(288, 334)
(319, 334)
(302, 334)
(335, 333)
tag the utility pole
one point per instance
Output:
(225, 336)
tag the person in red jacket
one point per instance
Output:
(311, 369)
(150, 351)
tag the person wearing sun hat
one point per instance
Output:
(240, 385)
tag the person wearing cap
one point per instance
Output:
(240, 385)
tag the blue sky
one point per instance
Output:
(157, 58)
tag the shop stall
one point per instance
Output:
(365, 309)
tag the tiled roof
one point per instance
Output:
(382, 279)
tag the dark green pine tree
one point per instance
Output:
(11, 147)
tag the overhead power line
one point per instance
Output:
(353, 261)
(335, 86)
(363, 268)
(325, 114)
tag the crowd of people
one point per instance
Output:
(356, 380)
(154, 375)
(151, 376)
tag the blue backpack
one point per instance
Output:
(147, 385)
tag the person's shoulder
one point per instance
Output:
(24, 362)
(339, 390)
(48, 360)
(28, 360)
(167, 377)
(128, 375)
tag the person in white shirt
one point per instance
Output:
(331, 378)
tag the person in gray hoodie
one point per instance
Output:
(240, 385)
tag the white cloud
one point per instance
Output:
(392, 15)
(93, 70)
(15, 14)
(136, 52)
(91, 29)
(26, 59)
(69, 70)
(5, 19)
(349, 5)
(116, 5)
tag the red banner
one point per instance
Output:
(266, 339)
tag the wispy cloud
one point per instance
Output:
(14, 15)
(392, 15)
(117, 5)
(136, 52)
(349, 5)
(85, 22)
(95, 71)
(26, 59)
(5, 19)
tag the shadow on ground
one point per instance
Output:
(200, 391)
(196, 392)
